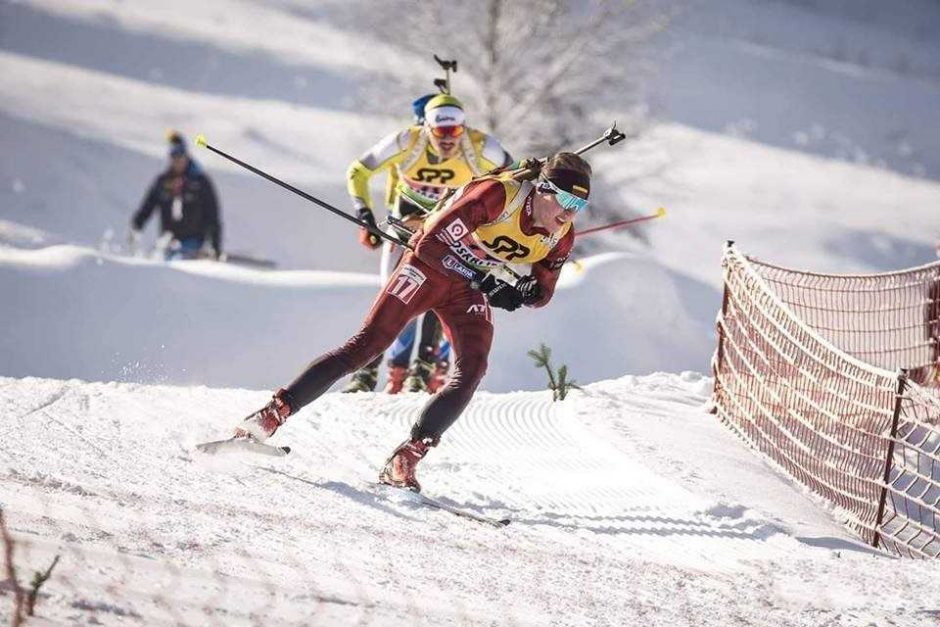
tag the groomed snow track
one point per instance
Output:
(611, 509)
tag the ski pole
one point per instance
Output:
(659, 213)
(201, 141)
(612, 136)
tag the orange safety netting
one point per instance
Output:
(802, 373)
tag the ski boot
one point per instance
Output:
(396, 379)
(262, 424)
(418, 376)
(363, 381)
(438, 377)
(400, 468)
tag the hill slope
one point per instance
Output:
(616, 519)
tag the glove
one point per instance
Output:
(367, 239)
(500, 294)
(510, 297)
(530, 163)
(532, 166)
(530, 289)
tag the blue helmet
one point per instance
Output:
(418, 107)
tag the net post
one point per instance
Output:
(720, 350)
(898, 395)
(933, 329)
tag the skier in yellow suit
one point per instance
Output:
(423, 162)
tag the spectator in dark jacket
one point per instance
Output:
(189, 213)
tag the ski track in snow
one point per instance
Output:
(594, 488)
(603, 523)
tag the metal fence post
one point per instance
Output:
(933, 329)
(720, 350)
(899, 393)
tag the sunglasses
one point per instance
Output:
(447, 131)
(566, 200)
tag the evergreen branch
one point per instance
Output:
(559, 386)
(39, 578)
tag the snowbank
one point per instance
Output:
(77, 313)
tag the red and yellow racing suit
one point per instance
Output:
(417, 179)
(485, 225)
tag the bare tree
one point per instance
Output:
(540, 75)
(535, 73)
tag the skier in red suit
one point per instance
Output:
(457, 269)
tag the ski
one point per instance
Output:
(447, 507)
(462, 513)
(248, 444)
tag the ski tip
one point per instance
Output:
(660, 212)
(201, 140)
(242, 444)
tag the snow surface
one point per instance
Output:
(630, 505)
(806, 131)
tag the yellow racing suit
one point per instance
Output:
(422, 176)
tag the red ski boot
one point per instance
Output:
(262, 424)
(400, 468)
(396, 379)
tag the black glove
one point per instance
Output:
(530, 289)
(367, 238)
(510, 297)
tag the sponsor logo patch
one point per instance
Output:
(432, 175)
(474, 257)
(507, 248)
(456, 230)
(452, 264)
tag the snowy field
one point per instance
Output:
(629, 504)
